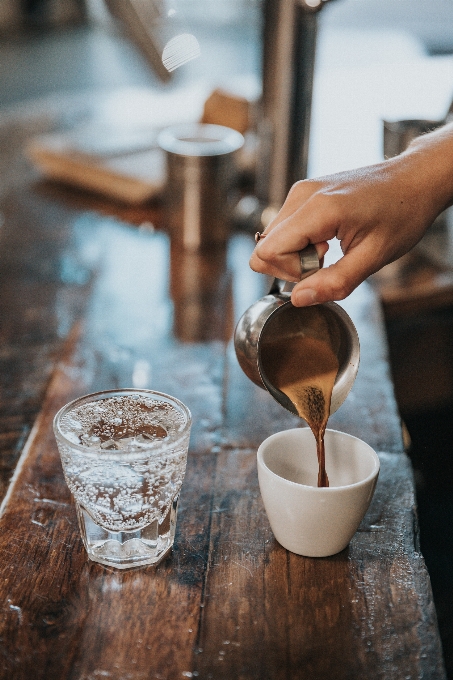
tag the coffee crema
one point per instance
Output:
(304, 366)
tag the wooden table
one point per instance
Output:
(90, 300)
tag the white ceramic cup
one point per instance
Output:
(305, 519)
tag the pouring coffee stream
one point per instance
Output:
(307, 358)
(304, 366)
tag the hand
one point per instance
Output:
(378, 213)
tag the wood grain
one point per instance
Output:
(89, 301)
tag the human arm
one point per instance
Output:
(378, 213)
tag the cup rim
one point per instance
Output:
(317, 489)
(115, 454)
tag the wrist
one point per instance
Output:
(428, 161)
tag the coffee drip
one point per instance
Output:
(304, 365)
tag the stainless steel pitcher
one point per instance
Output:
(274, 316)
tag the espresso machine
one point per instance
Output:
(289, 30)
(288, 58)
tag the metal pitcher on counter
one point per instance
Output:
(274, 316)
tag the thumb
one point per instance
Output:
(332, 283)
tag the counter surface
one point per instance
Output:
(91, 298)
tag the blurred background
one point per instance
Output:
(376, 60)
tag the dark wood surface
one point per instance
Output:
(89, 299)
(416, 293)
(421, 281)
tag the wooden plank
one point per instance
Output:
(229, 602)
(61, 614)
(228, 589)
(272, 614)
(64, 617)
(398, 632)
(348, 616)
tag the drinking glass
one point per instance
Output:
(124, 455)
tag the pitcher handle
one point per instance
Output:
(309, 264)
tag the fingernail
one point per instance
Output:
(305, 297)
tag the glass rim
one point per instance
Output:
(138, 452)
(200, 140)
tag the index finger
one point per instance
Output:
(288, 266)
(313, 222)
(297, 195)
